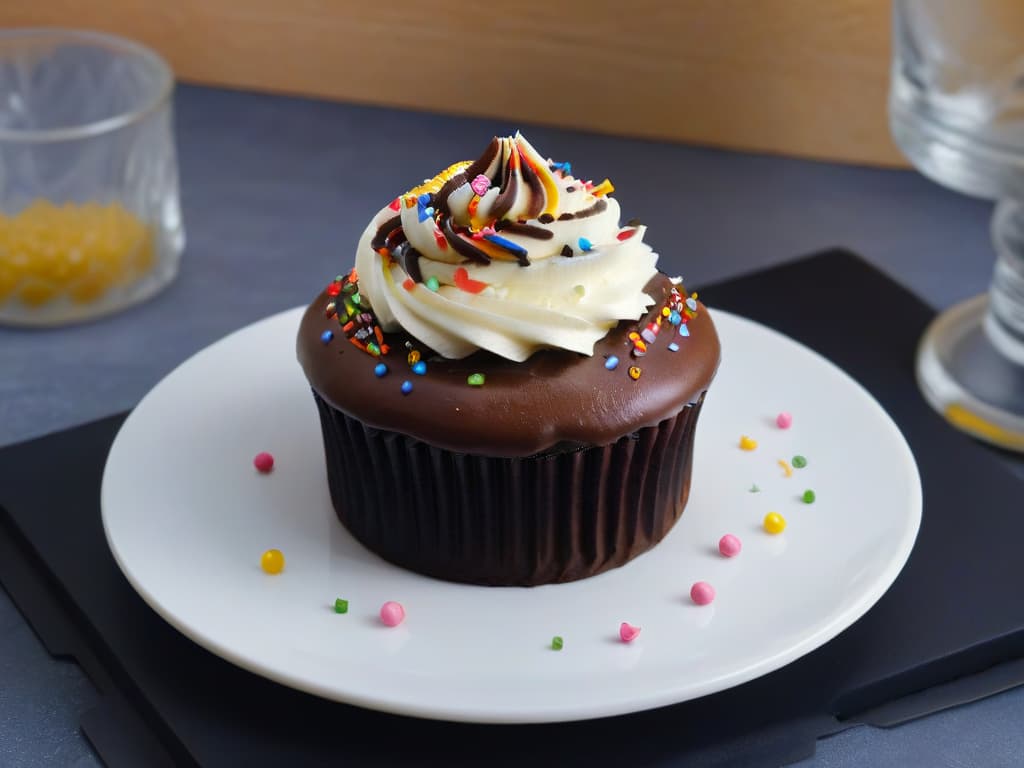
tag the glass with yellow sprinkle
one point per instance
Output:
(89, 215)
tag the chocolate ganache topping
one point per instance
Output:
(508, 253)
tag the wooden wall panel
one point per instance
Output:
(802, 77)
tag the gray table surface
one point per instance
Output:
(275, 192)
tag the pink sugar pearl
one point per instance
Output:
(729, 545)
(784, 420)
(702, 593)
(263, 462)
(627, 632)
(392, 613)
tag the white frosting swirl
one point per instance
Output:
(535, 297)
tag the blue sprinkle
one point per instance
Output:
(423, 199)
(673, 347)
(684, 331)
(692, 304)
(425, 213)
(419, 368)
(380, 370)
(508, 245)
(611, 363)
(406, 387)
(675, 318)
(585, 245)
(326, 337)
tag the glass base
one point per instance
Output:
(968, 380)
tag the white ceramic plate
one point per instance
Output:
(187, 518)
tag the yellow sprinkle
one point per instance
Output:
(786, 468)
(634, 372)
(665, 311)
(604, 188)
(747, 443)
(774, 523)
(272, 561)
(413, 357)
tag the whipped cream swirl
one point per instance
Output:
(509, 253)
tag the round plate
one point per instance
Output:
(187, 518)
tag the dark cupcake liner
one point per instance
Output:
(526, 521)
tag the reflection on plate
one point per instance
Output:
(188, 517)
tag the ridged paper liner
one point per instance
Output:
(508, 521)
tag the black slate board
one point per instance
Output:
(937, 638)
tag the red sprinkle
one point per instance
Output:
(465, 283)
(626, 234)
(441, 240)
(627, 632)
(395, 204)
(263, 462)
(333, 289)
(409, 284)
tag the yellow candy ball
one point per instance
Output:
(774, 523)
(272, 561)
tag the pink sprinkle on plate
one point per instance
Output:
(627, 632)
(784, 420)
(702, 593)
(263, 462)
(730, 545)
(392, 613)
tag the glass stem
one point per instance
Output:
(1004, 323)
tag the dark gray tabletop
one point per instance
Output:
(275, 192)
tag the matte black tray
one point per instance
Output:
(937, 638)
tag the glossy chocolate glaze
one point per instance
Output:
(555, 400)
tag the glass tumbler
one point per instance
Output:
(89, 215)
(956, 109)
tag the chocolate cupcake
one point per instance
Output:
(508, 387)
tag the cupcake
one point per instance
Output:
(508, 387)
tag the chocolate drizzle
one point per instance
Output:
(585, 213)
(509, 189)
(409, 258)
(481, 164)
(567, 251)
(384, 230)
(441, 198)
(525, 230)
(460, 245)
(395, 238)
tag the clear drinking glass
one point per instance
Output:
(956, 109)
(89, 214)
